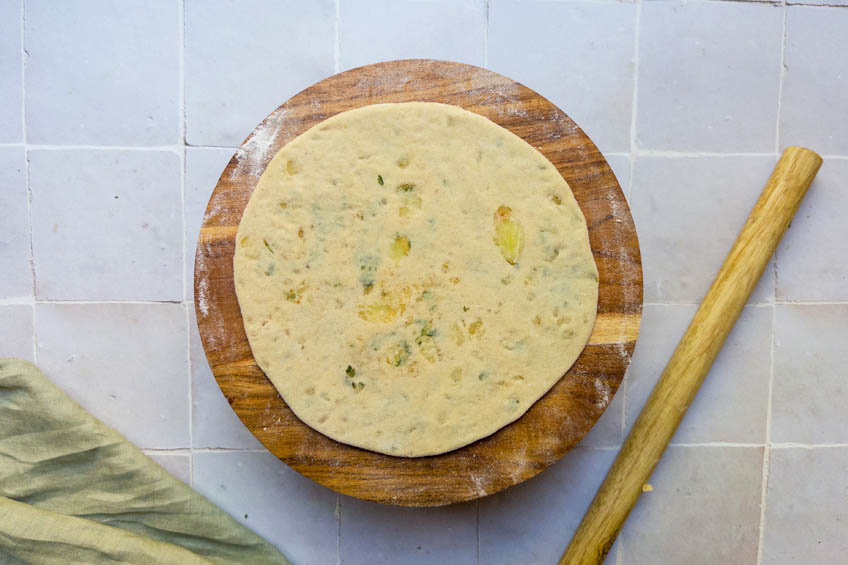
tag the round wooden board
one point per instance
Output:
(556, 422)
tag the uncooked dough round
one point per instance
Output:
(413, 277)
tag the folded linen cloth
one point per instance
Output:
(73, 490)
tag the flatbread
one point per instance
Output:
(413, 277)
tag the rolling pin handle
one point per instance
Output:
(694, 356)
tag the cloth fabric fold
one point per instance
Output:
(73, 490)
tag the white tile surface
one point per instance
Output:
(559, 50)
(532, 522)
(11, 93)
(124, 363)
(107, 225)
(620, 165)
(378, 30)
(102, 72)
(688, 212)
(810, 390)
(709, 75)
(16, 331)
(732, 402)
(203, 167)
(178, 464)
(16, 272)
(814, 109)
(811, 259)
(287, 509)
(607, 431)
(704, 508)
(245, 58)
(214, 424)
(807, 511)
(112, 73)
(373, 534)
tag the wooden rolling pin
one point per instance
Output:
(694, 355)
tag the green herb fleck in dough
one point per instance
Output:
(368, 265)
(268, 247)
(350, 371)
(401, 354)
(406, 187)
(465, 308)
(427, 295)
(270, 270)
(290, 296)
(426, 332)
(380, 180)
(483, 375)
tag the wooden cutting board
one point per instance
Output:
(556, 422)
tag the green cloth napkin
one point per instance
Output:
(73, 490)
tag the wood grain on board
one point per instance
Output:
(555, 423)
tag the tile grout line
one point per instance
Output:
(186, 314)
(738, 444)
(632, 165)
(616, 2)
(631, 156)
(477, 507)
(337, 47)
(231, 147)
(83, 147)
(339, 524)
(782, 78)
(809, 302)
(817, 5)
(639, 152)
(486, 8)
(791, 445)
(766, 2)
(24, 300)
(636, 39)
(27, 180)
(766, 449)
(181, 79)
